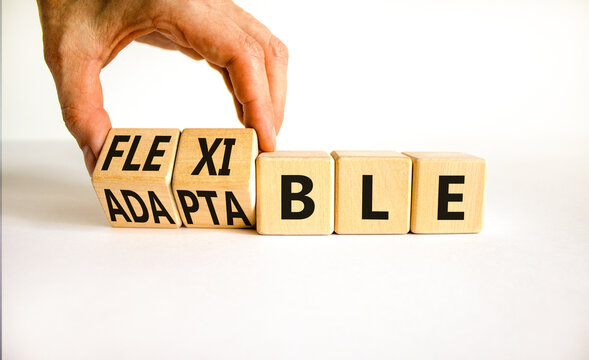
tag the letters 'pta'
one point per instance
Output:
(214, 177)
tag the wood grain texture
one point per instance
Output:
(133, 177)
(388, 175)
(230, 175)
(438, 180)
(271, 168)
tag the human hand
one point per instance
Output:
(82, 37)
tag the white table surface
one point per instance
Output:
(75, 288)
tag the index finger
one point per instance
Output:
(276, 54)
(222, 42)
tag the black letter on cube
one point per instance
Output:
(367, 212)
(287, 197)
(444, 197)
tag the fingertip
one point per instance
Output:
(267, 140)
(259, 116)
(89, 159)
(91, 136)
(98, 138)
(273, 139)
(277, 127)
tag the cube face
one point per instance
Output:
(133, 177)
(448, 192)
(295, 193)
(214, 177)
(372, 192)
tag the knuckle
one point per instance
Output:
(75, 120)
(72, 117)
(278, 48)
(252, 48)
(51, 55)
(56, 52)
(64, 47)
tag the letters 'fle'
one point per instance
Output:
(133, 177)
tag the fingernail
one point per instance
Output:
(89, 159)
(274, 137)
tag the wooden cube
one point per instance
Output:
(372, 192)
(448, 192)
(295, 193)
(133, 177)
(214, 177)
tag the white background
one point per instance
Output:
(474, 76)
(504, 80)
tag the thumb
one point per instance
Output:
(80, 95)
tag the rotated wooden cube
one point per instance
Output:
(214, 177)
(372, 192)
(295, 193)
(448, 192)
(133, 177)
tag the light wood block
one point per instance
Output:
(372, 192)
(295, 193)
(214, 177)
(133, 177)
(448, 192)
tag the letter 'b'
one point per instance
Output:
(287, 197)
